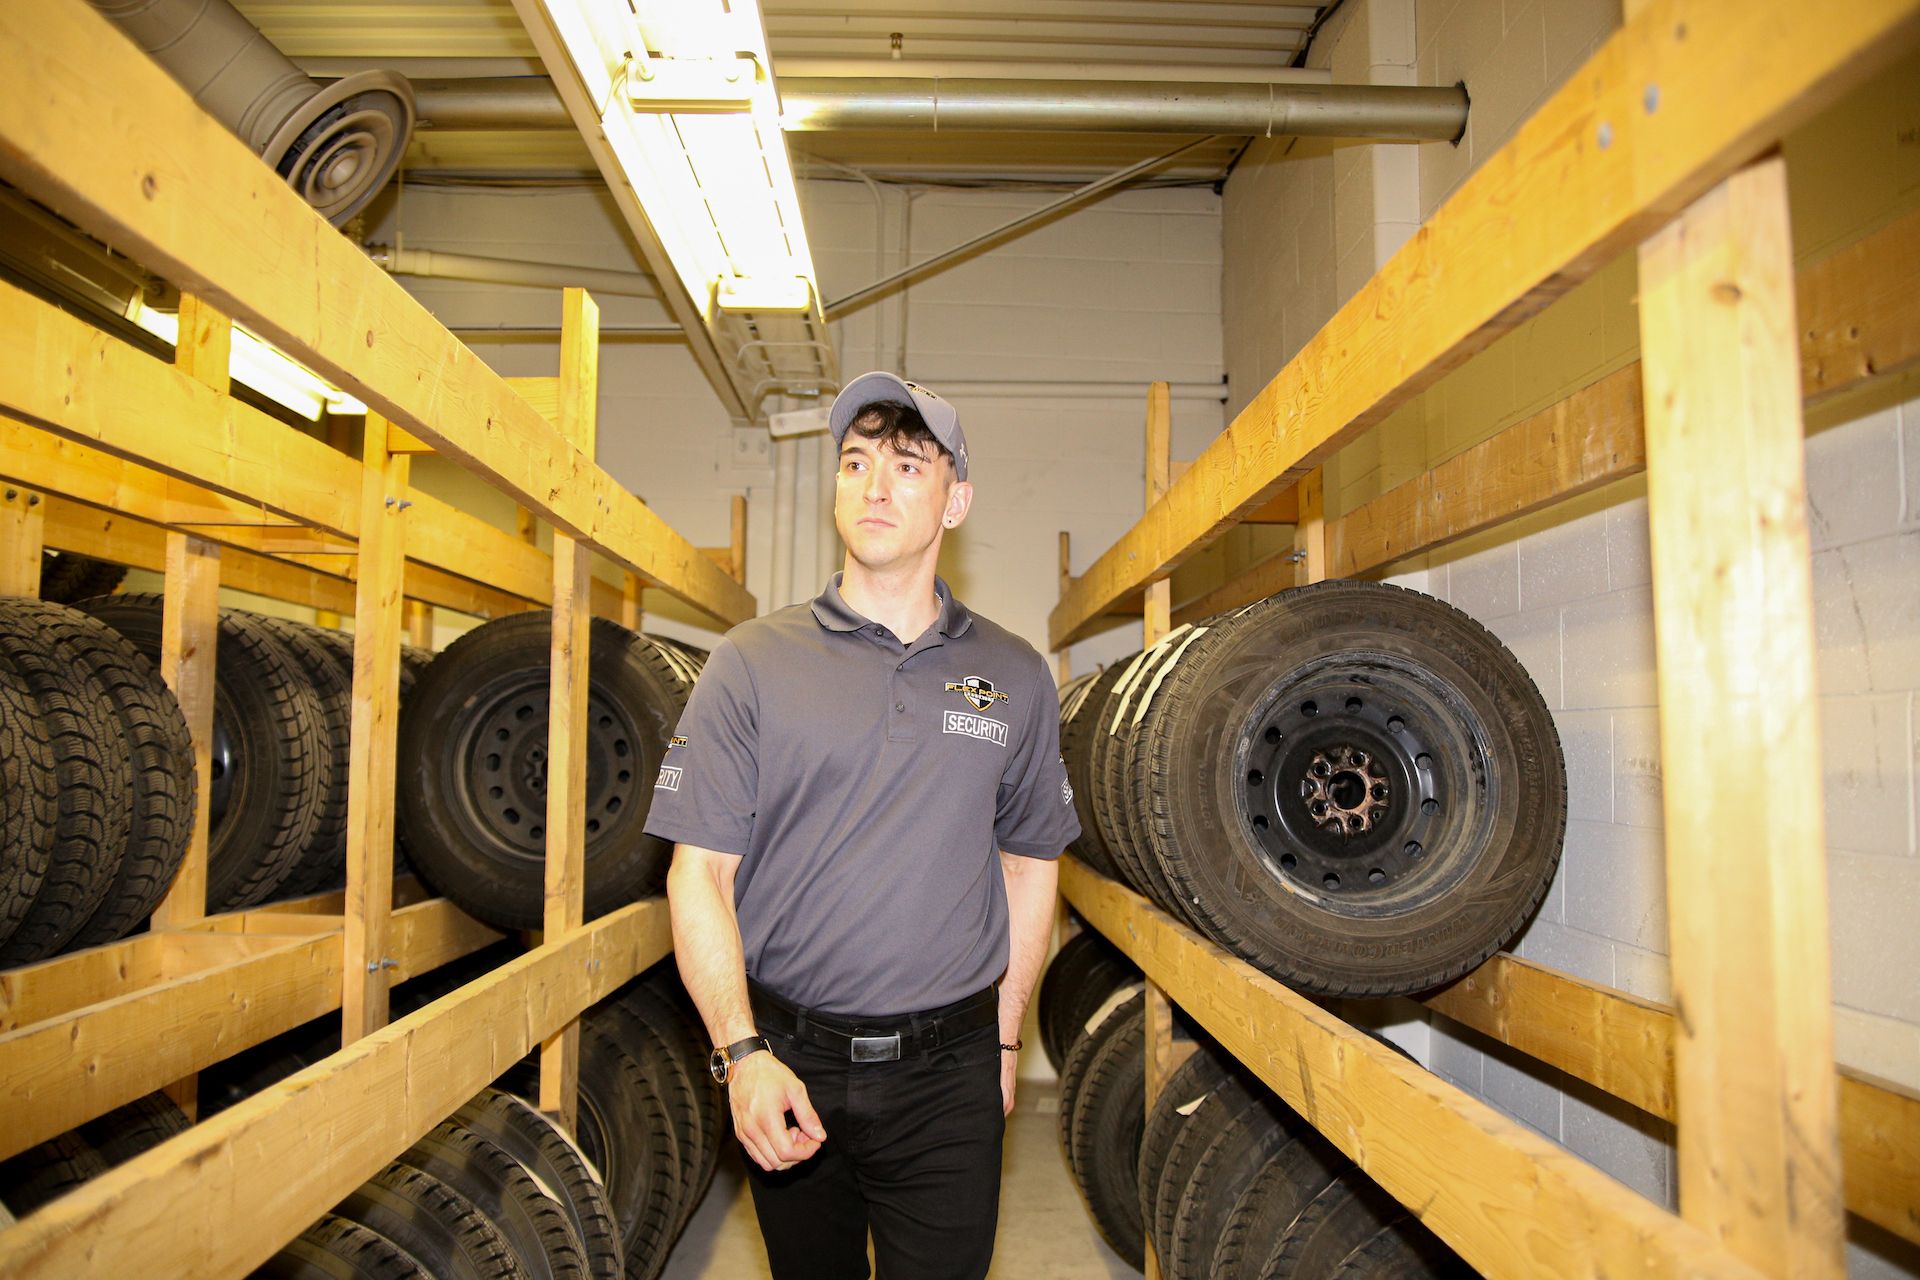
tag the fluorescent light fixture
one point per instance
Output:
(262, 366)
(689, 109)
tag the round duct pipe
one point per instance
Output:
(1383, 112)
(441, 265)
(336, 144)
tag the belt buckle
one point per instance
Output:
(877, 1048)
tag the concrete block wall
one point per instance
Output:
(1119, 293)
(1569, 590)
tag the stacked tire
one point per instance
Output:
(45, 1172)
(471, 792)
(1353, 786)
(96, 782)
(1226, 1180)
(283, 709)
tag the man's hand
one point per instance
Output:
(1009, 1076)
(761, 1093)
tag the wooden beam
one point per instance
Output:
(1310, 534)
(1588, 176)
(737, 537)
(177, 191)
(336, 1122)
(372, 750)
(189, 645)
(201, 997)
(632, 601)
(419, 624)
(1623, 1045)
(1859, 320)
(1758, 1148)
(1063, 660)
(1510, 1202)
(566, 862)
(1282, 508)
(84, 385)
(23, 535)
(542, 394)
(1156, 615)
(203, 349)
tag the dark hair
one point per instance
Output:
(894, 425)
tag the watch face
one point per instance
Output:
(719, 1065)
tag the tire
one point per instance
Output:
(641, 1017)
(1257, 1125)
(472, 787)
(1081, 1006)
(624, 1129)
(1079, 709)
(270, 758)
(557, 1164)
(1347, 1213)
(1101, 741)
(337, 1248)
(1126, 706)
(660, 988)
(29, 797)
(1193, 1079)
(534, 1223)
(161, 774)
(322, 861)
(1403, 1250)
(1087, 963)
(674, 1095)
(42, 1174)
(1108, 1113)
(92, 768)
(1435, 748)
(1286, 1184)
(135, 1128)
(67, 576)
(439, 1227)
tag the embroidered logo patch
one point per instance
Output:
(676, 741)
(976, 690)
(983, 727)
(1066, 792)
(669, 777)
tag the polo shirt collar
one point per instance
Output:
(831, 610)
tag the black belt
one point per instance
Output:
(874, 1039)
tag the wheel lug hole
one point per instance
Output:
(1429, 806)
(1309, 708)
(1288, 861)
(1330, 880)
(1272, 736)
(1260, 822)
(1353, 705)
(1376, 876)
(1396, 725)
(1255, 777)
(1413, 849)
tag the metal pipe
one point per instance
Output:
(841, 305)
(1271, 109)
(337, 144)
(439, 264)
(1386, 112)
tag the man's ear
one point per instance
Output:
(959, 502)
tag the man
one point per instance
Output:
(867, 798)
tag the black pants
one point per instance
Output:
(912, 1153)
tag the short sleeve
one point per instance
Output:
(705, 792)
(1035, 816)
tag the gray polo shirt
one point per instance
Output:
(866, 785)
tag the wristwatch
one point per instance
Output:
(720, 1063)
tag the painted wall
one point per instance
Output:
(1568, 591)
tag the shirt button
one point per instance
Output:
(900, 707)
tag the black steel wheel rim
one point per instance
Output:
(222, 773)
(1360, 780)
(501, 771)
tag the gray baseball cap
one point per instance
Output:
(941, 418)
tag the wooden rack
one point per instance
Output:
(1656, 146)
(108, 451)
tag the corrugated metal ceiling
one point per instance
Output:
(452, 37)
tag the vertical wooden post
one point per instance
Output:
(1733, 625)
(372, 755)
(525, 525)
(23, 521)
(1310, 531)
(1063, 660)
(632, 602)
(737, 539)
(567, 708)
(419, 622)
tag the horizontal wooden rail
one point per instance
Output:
(1587, 177)
(204, 997)
(337, 1123)
(1859, 312)
(1623, 1045)
(1510, 1202)
(95, 129)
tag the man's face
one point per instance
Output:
(891, 504)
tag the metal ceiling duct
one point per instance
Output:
(336, 144)
(1274, 109)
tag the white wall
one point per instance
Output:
(1121, 292)
(1569, 591)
